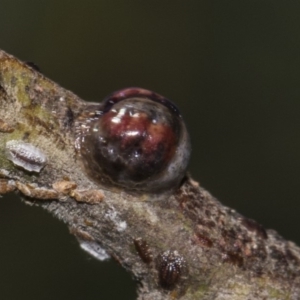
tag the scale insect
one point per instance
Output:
(25, 155)
(171, 266)
(135, 139)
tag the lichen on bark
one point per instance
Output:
(179, 244)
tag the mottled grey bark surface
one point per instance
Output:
(181, 244)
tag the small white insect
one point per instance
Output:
(112, 215)
(94, 249)
(25, 155)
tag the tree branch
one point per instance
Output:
(180, 244)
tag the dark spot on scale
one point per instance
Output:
(143, 250)
(196, 204)
(291, 256)
(68, 118)
(228, 234)
(26, 135)
(276, 254)
(260, 251)
(185, 180)
(37, 121)
(211, 224)
(13, 80)
(233, 258)
(253, 226)
(206, 223)
(183, 199)
(203, 240)
(208, 213)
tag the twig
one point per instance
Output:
(181, 244)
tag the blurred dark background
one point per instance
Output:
(233, 68)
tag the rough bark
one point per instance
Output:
(181, 244)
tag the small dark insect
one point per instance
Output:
(136, 138)
(33, 66)
(143, 250)
(170, 266)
